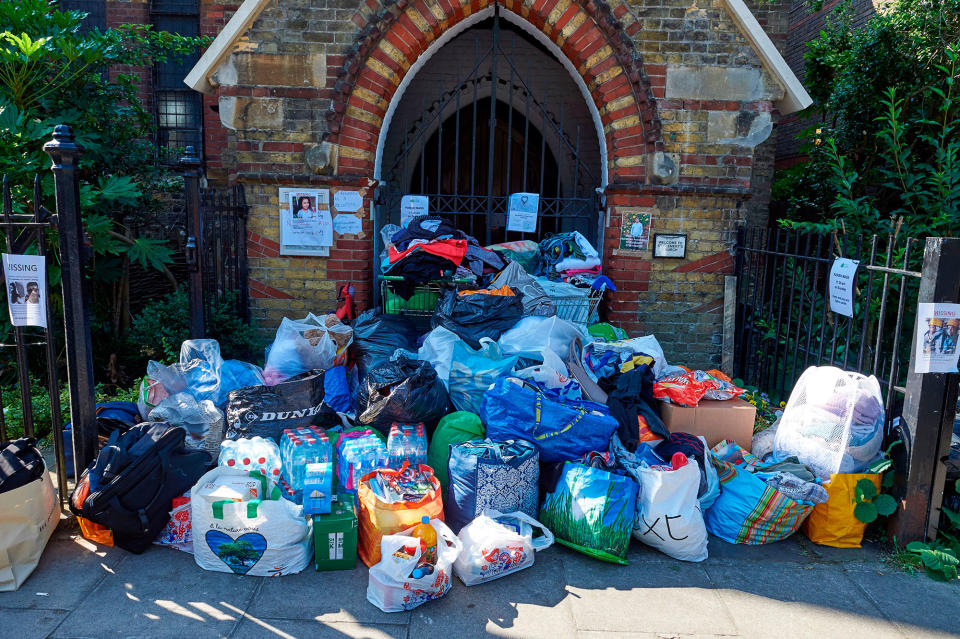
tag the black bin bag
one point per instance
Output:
(474, 316)
(406, 391)
(377, 336)
(267, 410)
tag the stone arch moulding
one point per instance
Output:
(587, 38)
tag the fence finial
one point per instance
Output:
(63, 149)
(190, 160)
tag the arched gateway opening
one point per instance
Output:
(493, 111)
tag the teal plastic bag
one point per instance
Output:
(472, 372)
(592, 511)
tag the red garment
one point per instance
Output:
(453, 250)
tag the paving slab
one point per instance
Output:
(261, 628)
(69, 568)
(650, 597)
(597, 634)
(30, 624)
(162, 593)
(344, 598)
(790, 550)
(784, 601)
(530, 603)
(918, 605)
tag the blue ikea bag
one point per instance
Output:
(560, 429)
(487, 475)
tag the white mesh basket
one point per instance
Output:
(833, 421)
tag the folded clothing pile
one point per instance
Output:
(567, 255)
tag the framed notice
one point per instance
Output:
(306, 227)
(670, 245)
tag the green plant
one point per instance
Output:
(939, 558)
(40, 402)
(870, 503)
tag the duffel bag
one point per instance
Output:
(268, 410)
(560, 429)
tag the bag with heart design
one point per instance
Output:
(401, 581)
(497, 544)
(242, 525)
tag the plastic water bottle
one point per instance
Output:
(228, 454)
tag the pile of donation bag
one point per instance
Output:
(463, 448)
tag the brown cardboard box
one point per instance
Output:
(716, 420)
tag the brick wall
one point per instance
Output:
(683, 99)
(132, 12)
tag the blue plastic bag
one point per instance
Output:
(561, 430)
(488, 474)
(336, 390)
(472, 372)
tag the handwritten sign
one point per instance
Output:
(413, 206)
(843, 280)
(347, 201)
(347, 223)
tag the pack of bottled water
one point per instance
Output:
(253, 454)
(302, 446)
(358, 456)
(407, 442)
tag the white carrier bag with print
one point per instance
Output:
(242, 525)
(668, 513)
(391, 586)
(497, 544)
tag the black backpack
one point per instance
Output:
(134, 479)
(20, 463)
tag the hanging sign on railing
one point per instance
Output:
(26, 277)
(938, 328)
(843, 281)
(522, 212)
(413, 206)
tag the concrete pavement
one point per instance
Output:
(789, 589)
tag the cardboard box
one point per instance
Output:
(335, 535)
(715, 420)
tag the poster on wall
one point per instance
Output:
(306, 227)
(635, 228)
(522, 212)
(413, 206)
(938, 327)
(347, 201)
(26, 279)
(843, 281)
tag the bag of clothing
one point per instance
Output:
(376, 337)
(497, 544)
(129, 488)
(535, 299)
(396, 584)
(242, 525)
(403, 390)
(526, 253)
(833, 522)
(454, 428)
(473, 372)
(592, 511)
(668, 513)
(560, 429)
(29, 512)
(201, 371)
(378, 517)
(631, 402)
(472, 317)
(485, 475)
(265, 411)
(533, 335)
(307, 344)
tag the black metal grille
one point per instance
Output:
(225, 249)
(178, 109)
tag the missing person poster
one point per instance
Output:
(26, 279)
(306, 227)
(938, 326)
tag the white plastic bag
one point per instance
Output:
(668, 513)
(533, 335)
(391, 588)
(437, 349)
(266, 537)
(552, 374)
(497, 544)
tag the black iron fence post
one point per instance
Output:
(929, 407)
(190, 164)
(65, 153)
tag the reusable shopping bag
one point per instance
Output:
(497, 544)
(378, 518)
(28, 516)
(267, 536)
(266, 411)
(668, 513)
(748, 511)
(454, 428)
(390, 586)
(488, 474)
(592, 511)
(561, 430)
(833, 523)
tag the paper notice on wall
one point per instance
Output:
(26, 278)
(347, 224)
(522, 212)
(843, 282)
(306, 227)
(413, 206)
(347, 201)
(937, 330)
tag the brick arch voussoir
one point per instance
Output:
(397, 32)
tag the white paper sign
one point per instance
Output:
(522, 212)
(306, 227)
(413, 206)
(346, 224)
(347, 201)
(843, 281)
(938, 326)
(26, 277)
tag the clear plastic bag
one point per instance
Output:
(202, 420)
(533, 335)
(307, 344)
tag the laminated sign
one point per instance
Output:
(843, 281)
(937, 331)
(26, 277)
(522, 212)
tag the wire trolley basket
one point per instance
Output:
(579, 309)
(423, 302)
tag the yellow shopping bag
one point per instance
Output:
(833, 523)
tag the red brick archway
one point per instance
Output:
(595, 39)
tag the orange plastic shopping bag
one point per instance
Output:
(90, 530)
(378, 517)
(833, 523)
